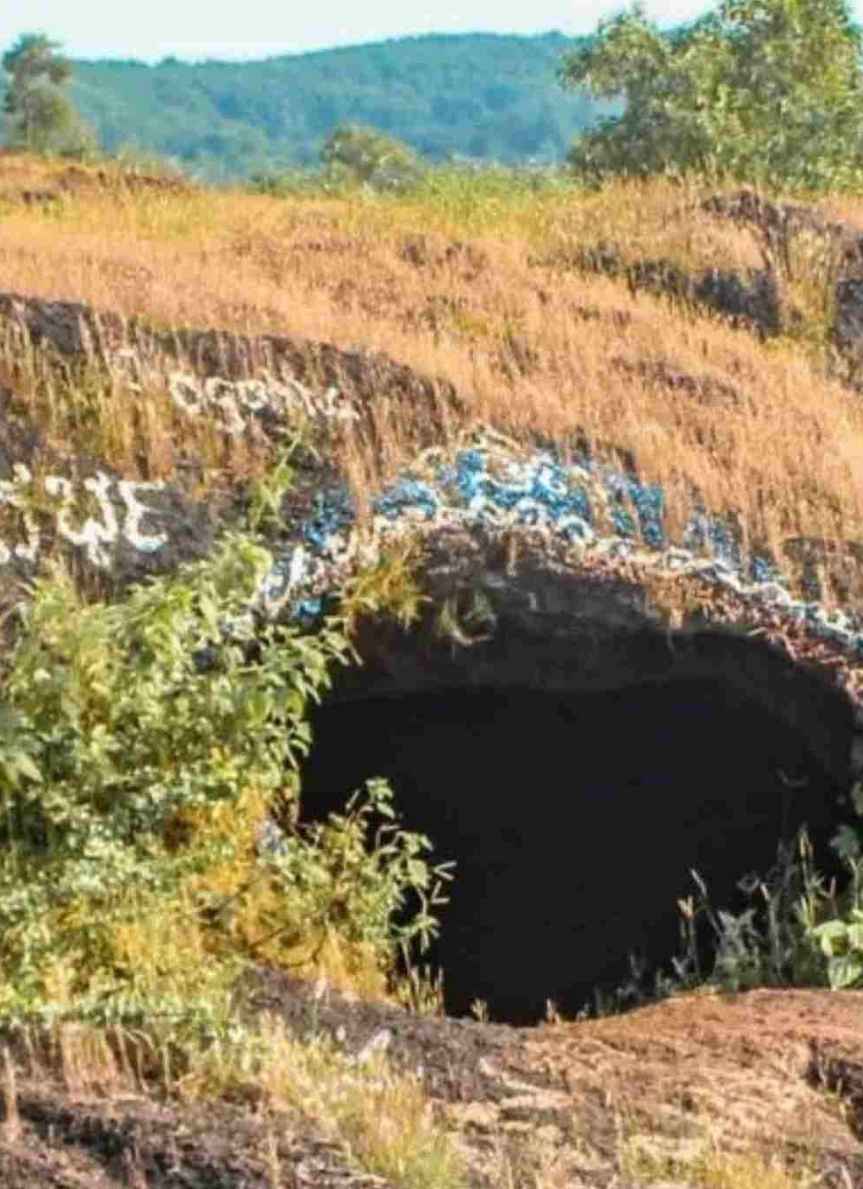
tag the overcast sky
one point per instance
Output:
(195, 29)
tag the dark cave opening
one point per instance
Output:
(574, 820)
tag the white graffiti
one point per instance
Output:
(57, 500)
(13, 492)
(496, 487)
(233, 402)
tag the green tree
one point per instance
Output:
(355, 153)
(764, 90)
(40, 117)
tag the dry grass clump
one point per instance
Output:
(87, 414)
(382, 1121)
(705, 1165)
(451, 287)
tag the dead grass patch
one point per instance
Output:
(382, 1121)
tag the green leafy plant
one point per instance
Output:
(793, 921)
(267, 492)
(40, 116)
(362, 155)
(768, 90)
(841, 937)
(842, 943)
(143, 747)
(347, 883)
(772, 942)
(388, 587)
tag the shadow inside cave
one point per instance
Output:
(574, 820)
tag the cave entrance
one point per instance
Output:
(574, 820)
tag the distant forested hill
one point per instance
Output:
(486, 96)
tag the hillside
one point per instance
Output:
(545, 507)
(482, 95)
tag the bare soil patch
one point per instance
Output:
(773, 1071)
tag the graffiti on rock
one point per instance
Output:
(57, 498)
(234, 402)
(494, 486)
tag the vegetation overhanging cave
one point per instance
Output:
(574, 817)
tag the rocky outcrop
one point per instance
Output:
(777, 222)
(544, 576)
(752, 299)
(558, 553)
(583, 710)
(75, 179)
(369, 381)
(246, 385)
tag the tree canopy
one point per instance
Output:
(39, 114)
(481, 96)
(366, 156)
(769, 90)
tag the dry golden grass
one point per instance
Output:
(705, 1166)
(382, 1121)
(533, 350)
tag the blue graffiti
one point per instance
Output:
(542, 491)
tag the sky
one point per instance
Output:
(197, 29)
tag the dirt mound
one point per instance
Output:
(779, 1069)
(776, 1071)
(772, 1072)
(67, 1143)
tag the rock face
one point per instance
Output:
(777, 223)
(750, 300)
(255, 387)
(753, 299)
(554, 631)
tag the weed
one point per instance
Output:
(381, 1119)
(706, 1165)
(141, 756)
(388, 587)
